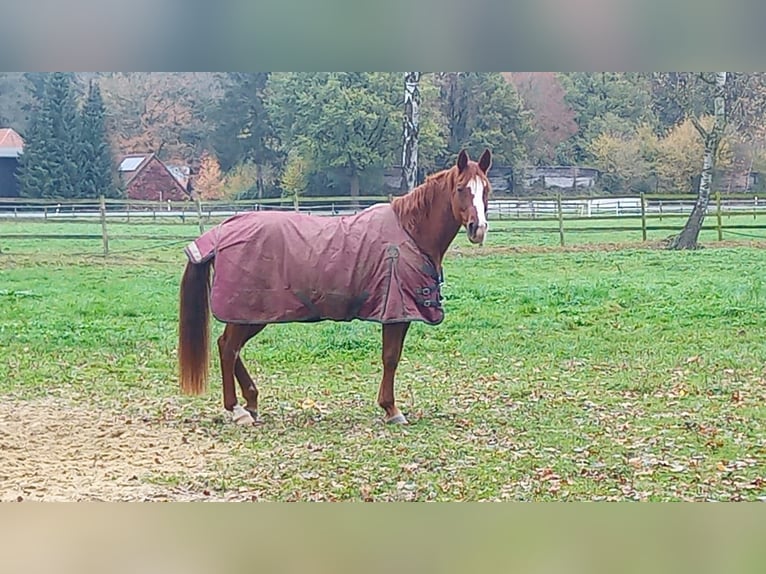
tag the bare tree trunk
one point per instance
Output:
(687, 239)
(411, 131)
(259, 180)
(354, 190)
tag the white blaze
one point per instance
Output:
(476, 185)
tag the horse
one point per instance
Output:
(383, 264)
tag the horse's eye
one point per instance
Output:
(460, 189)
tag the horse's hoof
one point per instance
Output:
(254, 414)
(397, 419)
(242, 416)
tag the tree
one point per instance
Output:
(160, 112)
(350, 118)
(241, 181)
(50, 162)
(209, 181)
(604, 102)
(295, 179)
(96, 175)
(61, 99)
(244, 132)
(410, 131)
(14, 101)
(677, 165)
(35, 164)
(624, 160)
(687, 89)
(432, 125)
(483, 110)
(553, 120)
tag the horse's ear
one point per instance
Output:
(485, 160)
(462, 160)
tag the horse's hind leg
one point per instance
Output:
(246, 382)
(229, 344)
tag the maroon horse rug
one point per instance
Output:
(277, 267)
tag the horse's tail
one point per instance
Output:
(194, 328)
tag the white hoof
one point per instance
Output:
(241, 416)
(397, 419)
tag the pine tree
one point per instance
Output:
(60, 98)
(35, 163)
(50, 162)
(244, 130)
(95, 160)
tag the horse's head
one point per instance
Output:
(471, 194)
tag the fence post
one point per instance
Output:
(561, 219)
(660, 210)
(45, 212)
(718, 214)
(104, 235)
(127, 209)
(643, 217)
(755, 206)
(199, 216)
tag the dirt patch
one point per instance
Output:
(592, 247)
(52, 452)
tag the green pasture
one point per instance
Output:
(634, 374)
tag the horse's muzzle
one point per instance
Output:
(476, 232)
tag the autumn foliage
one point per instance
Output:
(554, 120)
(642, 161)
(209, 181)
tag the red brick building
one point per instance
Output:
(147, 178)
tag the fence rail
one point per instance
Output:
(560, 214)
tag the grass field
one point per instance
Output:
(632, 374)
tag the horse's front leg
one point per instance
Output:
(393, 342)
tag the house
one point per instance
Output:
(563, 177)
(11, 147)
(735, 180)
(147, 178)
(500, 178)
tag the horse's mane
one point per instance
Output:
(421, 199)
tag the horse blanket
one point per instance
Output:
(280, 267)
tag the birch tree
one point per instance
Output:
(711, 138)
(411, 130)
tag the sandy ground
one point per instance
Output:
(50, 452)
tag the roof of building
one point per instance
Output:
(131, 163)
(11, 143)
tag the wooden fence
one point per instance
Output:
(560, 214)
(655, 212)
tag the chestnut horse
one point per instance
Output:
(431, 215)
